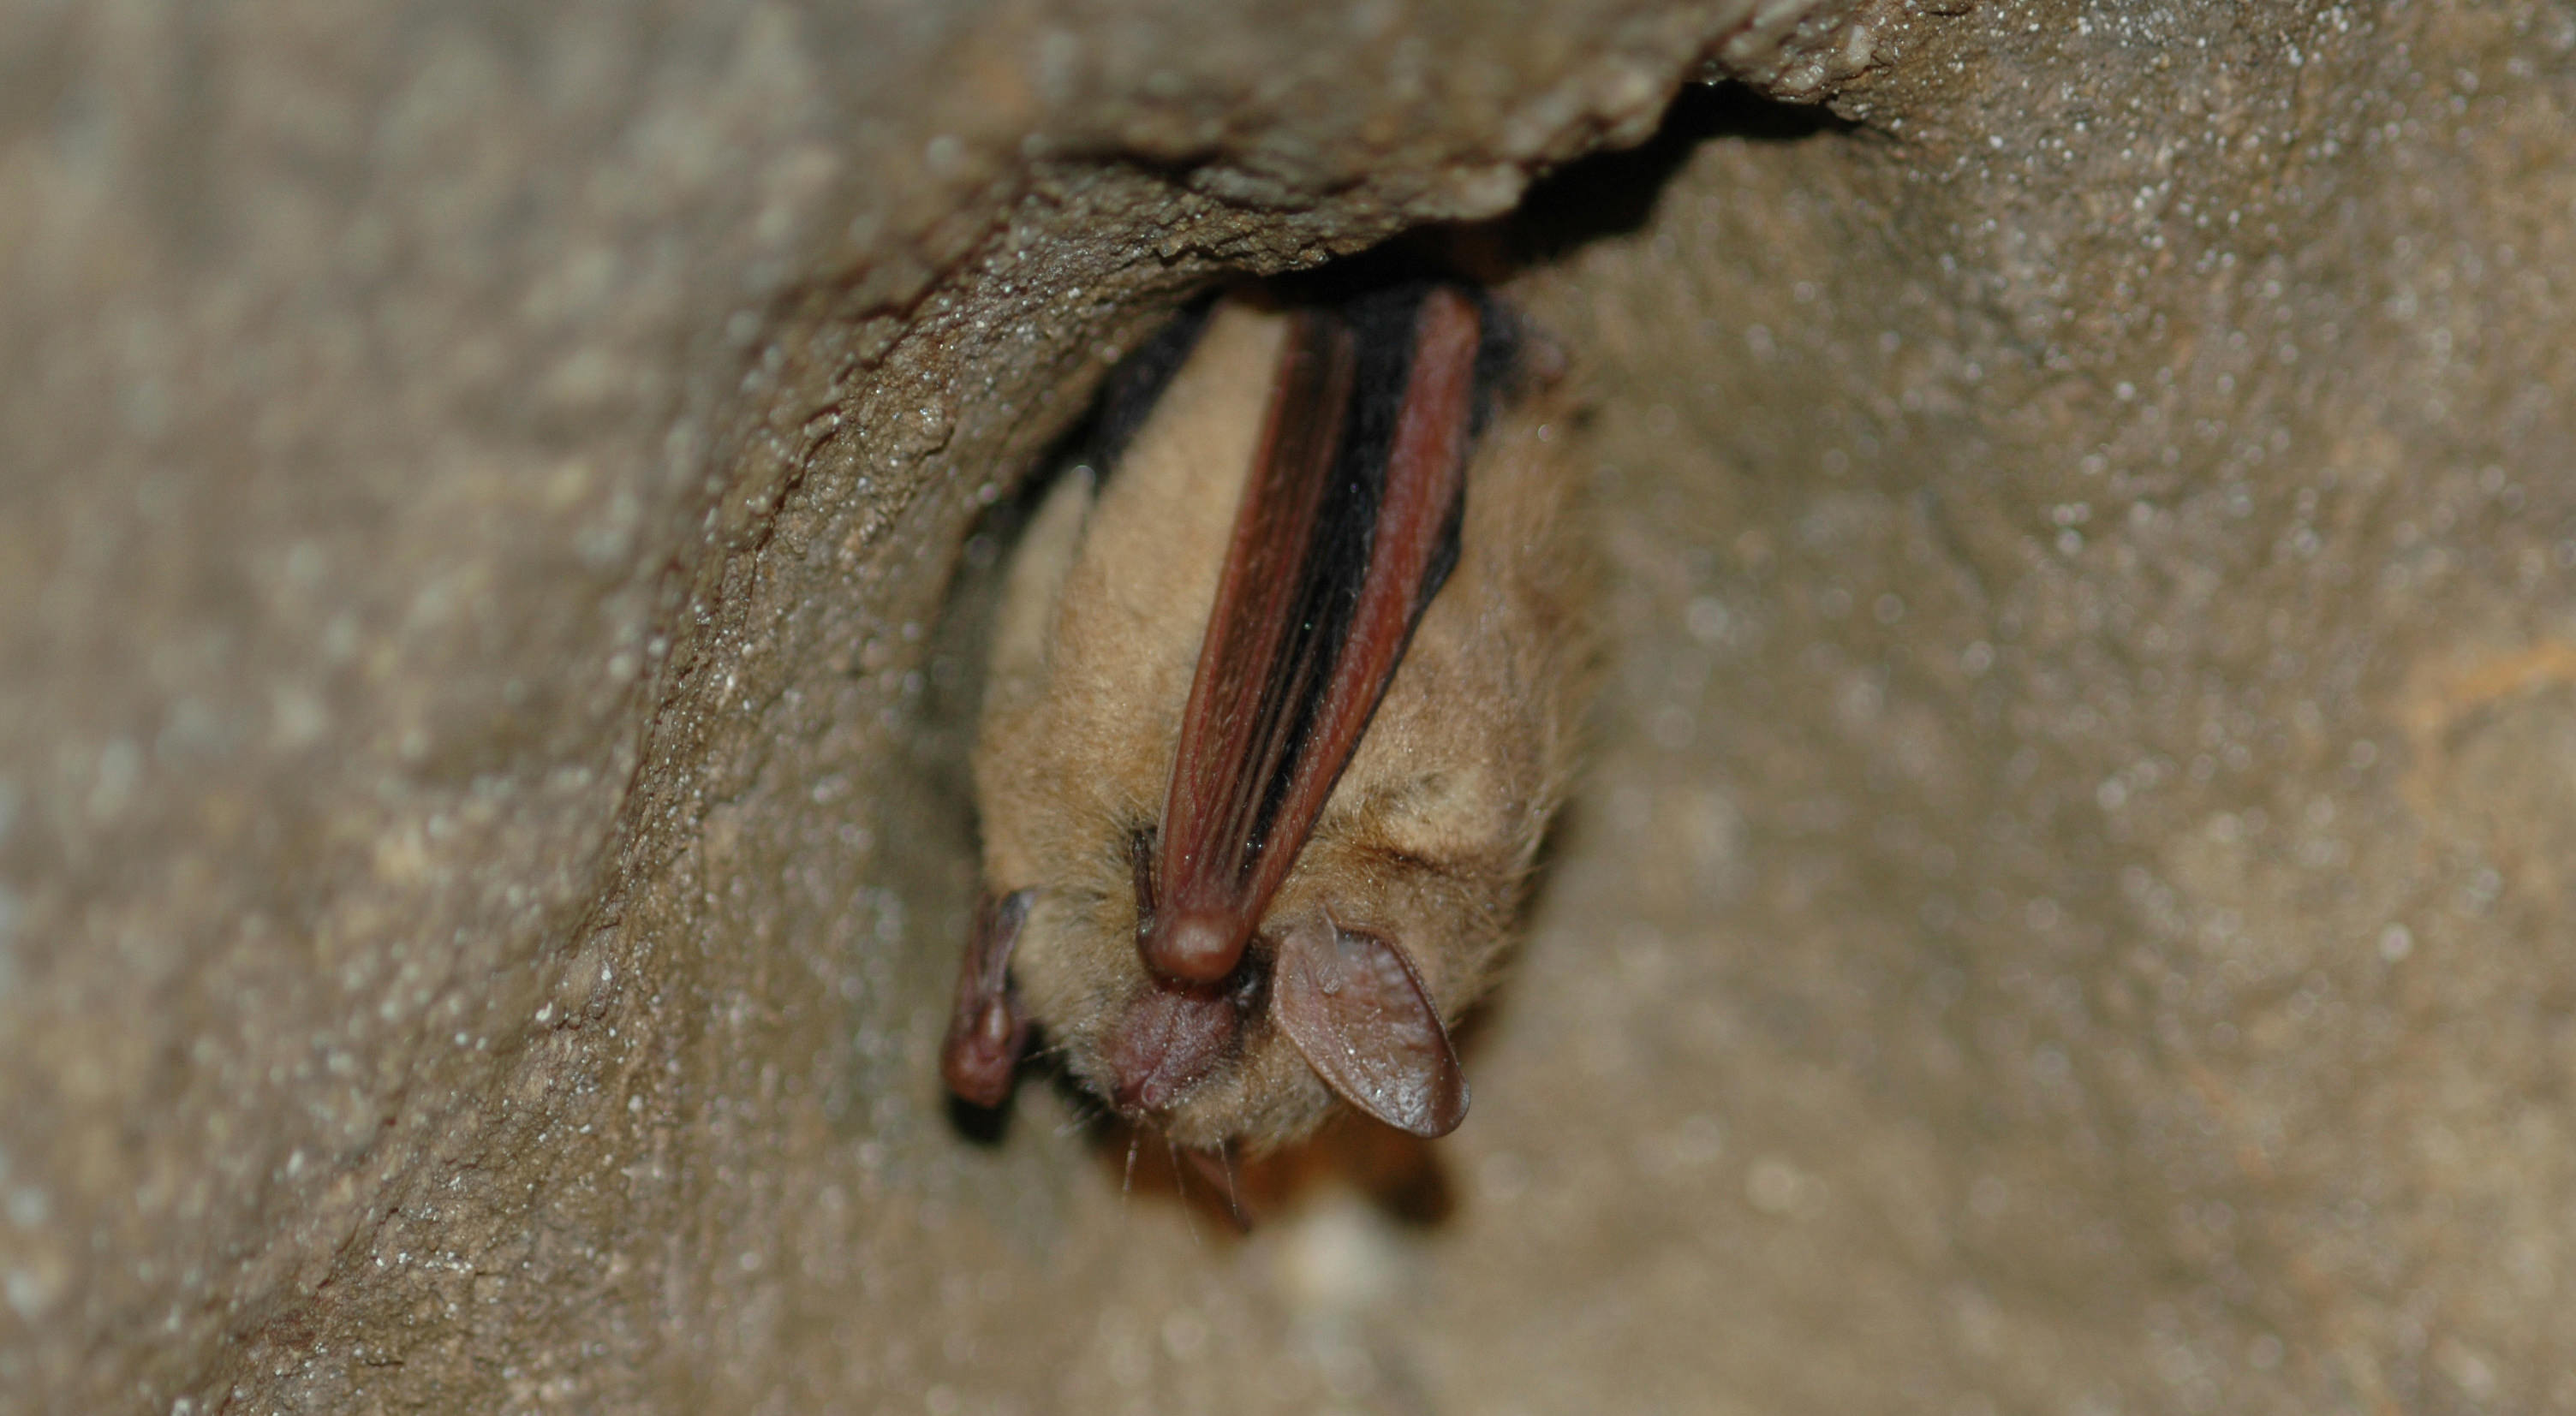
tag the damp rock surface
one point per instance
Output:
(2065, 914)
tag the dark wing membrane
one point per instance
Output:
(1348, 526)
(1228, 738)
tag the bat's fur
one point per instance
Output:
(1428, 836)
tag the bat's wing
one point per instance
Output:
(1348, 526)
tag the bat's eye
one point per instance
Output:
(1248, 987)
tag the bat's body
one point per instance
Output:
(1246, 857)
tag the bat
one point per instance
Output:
(1278, 708)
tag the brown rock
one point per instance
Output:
(2067, 912)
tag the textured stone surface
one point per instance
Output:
(2068, 915)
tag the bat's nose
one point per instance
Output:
(1166, 1040)
(1146, 1095)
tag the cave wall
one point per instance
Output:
(2067, 911)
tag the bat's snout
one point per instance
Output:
(1168, 1039)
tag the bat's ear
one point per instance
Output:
(1355, 1008)
(986, 1029)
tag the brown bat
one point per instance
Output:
(1276, 717)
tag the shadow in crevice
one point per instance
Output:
(1404, 1179)
(1614, 193)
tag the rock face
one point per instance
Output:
(2069, 908)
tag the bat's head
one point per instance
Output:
(1317, 1005)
